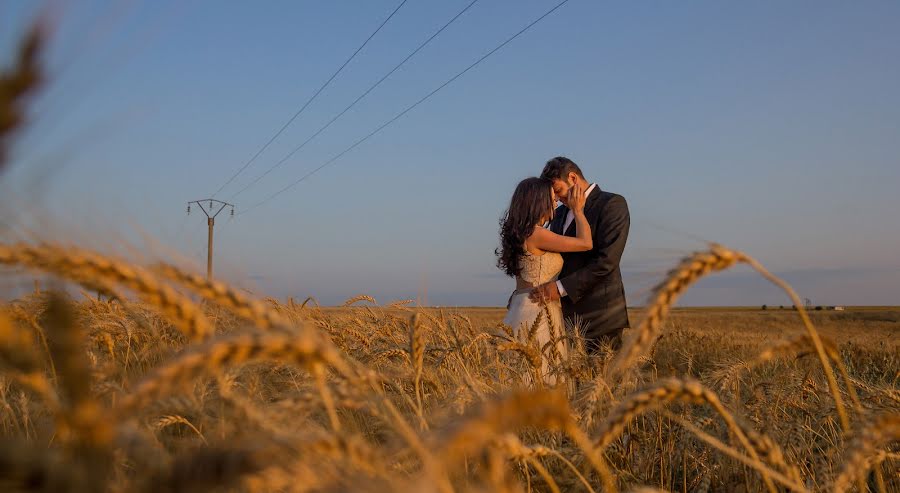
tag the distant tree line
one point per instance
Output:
(816, 308)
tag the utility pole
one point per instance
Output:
(214, 207)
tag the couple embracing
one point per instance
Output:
(565, 259)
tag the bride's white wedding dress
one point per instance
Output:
(522, 312)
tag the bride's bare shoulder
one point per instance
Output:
(536, 237)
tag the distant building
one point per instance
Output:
(838, 308)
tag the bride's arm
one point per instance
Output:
(548, 241)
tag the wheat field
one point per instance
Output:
(155, 379)
(122, 375)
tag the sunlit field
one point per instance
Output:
(198, 387)
(137, 375)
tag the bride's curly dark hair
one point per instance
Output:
(531, 205)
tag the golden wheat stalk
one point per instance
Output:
(400, 303)
(680, 279)
(245, 406)
(787, 475)
(365, 341)
(225, 296)
(541, 470)
(86, 267)
(769, 449)
(513, 448)
(83, 426)
(665, 294)
(530, 353)
(307, 300)
(795, 346)
(541, 409)
(352, 449)
(814, 337)
(533, 329)
(864, 448)
(30, 319)
(389, 354)
(417, 356)
(662, 394)
(306, 349)
(591, 399)
(547, 410)
(358, 298)
(473, 343)
(175, 419)
(17, 347)
(506, 329)
(38, 383)
(81, 415)
(16, 84)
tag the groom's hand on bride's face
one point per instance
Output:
(545, 292)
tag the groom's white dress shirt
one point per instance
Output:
(569, 218)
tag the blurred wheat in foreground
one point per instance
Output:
(170, 382)
(156, 379)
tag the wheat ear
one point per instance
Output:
(789, 475)
(17, 353)
(224, 295)
(529, 352)
(87, 268)
(352, 449)
(400, 304)
(662, 394)
(794, 346)
(175, 419)
(417, 356)
(306, 350)
(358, 298)
(664, 296)
(24, 78)
(864, 448)
(512, 447)
(813, 336)
(532, 331)
(680, 279)
(543, 409)
(17, 347)
(84, 425)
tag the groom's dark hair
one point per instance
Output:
(559, 168)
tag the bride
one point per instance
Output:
(531, 253)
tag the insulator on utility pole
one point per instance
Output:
(210, 222)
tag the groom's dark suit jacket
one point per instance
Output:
(592, 279)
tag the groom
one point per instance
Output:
(590, 284)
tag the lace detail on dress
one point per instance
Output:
(522, 312)
(538, 269)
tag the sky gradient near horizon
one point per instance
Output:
(771, 127)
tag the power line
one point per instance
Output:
(407, 110)
(358, 99)
(310, 100)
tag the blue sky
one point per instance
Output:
(772, 127)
